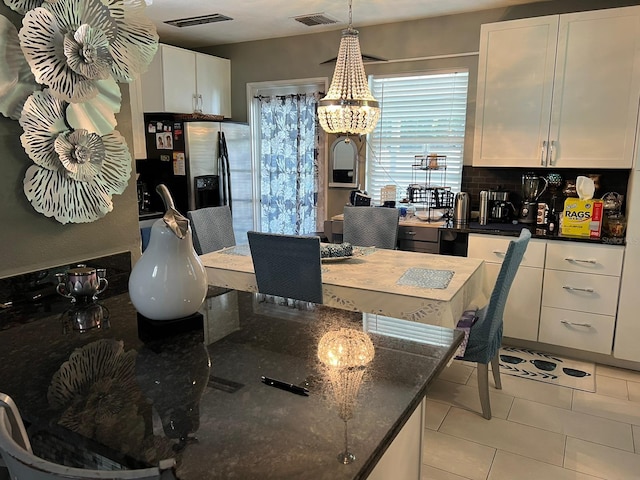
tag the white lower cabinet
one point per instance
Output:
(565, 293)
(522, 312)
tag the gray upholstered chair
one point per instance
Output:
(485, 336)
(212, 229)
(371, 226)
(16, 452)
(287, 265)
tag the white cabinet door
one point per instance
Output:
(214, 84)
(596, 89)
(179, 77)
(515, 80)
(522, 311)
(559, 91)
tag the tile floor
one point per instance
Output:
(538, 431)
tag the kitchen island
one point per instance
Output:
(128, 392)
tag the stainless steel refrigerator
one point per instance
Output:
(202, 163)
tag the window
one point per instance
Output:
(421, 114)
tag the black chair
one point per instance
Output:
(212, 229)
(287, 265)
(371, 226)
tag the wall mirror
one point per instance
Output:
(343, 163)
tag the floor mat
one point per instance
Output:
(548, 368)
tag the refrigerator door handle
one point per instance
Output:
(225, 159)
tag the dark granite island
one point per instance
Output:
(134, 393)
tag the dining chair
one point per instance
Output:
(212, 229)
(287, 266)
(19, 459)
(485, 336)
(371, 226)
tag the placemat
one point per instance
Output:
(426, 278)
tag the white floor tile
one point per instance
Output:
(435, 413)
(504, 435)
(457, 372)
(431, 473)
(454, 455)
(606, 407)
(586, 427)
(547, 393)
(634, 391)
(601, 461)
(620, 373)
(505, 464)
(465, 396)
(611, 387)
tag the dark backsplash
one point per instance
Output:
(476, 179)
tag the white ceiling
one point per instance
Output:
(260, 19)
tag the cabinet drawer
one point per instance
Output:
(420, 234)
(584, 331)
(581, 291)
(581, 257)
(492, 248)
(422, 247)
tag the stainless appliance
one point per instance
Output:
(483, 218)
(501, 210)
(531, 192)
(461, 210)
(199, 164)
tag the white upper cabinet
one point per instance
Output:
(559, 91)
(184, 81)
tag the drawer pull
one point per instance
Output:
(498, 252)
(574, 324)
(411, 232)
(569, 259)
(578, 289)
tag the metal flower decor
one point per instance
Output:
(78, 50)
(76, 172)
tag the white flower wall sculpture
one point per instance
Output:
(76, 172)
(74, 52)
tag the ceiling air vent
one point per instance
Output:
(201, 20)
(314, 19)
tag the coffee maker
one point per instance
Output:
(531, 192)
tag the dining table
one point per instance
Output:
(420, 287)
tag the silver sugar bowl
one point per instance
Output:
(82, 283)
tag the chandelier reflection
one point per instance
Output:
(346, 353)
(349, 107)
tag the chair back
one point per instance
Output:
(491, 328)
(16, 452)
(371, 226)
(287, 265)
(212, 229)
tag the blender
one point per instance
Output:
(531, 192)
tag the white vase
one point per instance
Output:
(168, 282)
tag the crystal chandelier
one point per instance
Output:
(349, 106)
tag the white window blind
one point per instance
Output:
(408, 330)
(421, 114)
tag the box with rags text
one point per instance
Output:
(581, 218)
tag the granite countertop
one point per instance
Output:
(135, 392)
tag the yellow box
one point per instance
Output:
(581, 218)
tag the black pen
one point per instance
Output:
(289, 387)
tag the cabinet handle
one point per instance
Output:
(543, 152)
(410, 232)
(578, 289)
(574, 324)
(551, 146)
(498, 252)
(591, 261)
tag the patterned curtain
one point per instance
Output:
(290, 179)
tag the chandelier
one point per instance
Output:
(349, 106)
